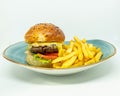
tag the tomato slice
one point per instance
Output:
(49, 56)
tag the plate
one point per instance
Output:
(16, 54)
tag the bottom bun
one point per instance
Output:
(36, 62)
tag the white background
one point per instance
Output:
(88, 19)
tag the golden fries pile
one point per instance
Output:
(77, 53)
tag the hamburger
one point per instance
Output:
(44, 41)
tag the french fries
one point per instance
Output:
(63, 58)
(77, 53)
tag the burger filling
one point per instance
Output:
(44, 51)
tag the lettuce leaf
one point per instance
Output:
(42, 60)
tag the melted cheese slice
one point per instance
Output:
(42, 44)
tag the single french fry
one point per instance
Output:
(90, 55)
(69, 50)
(76, 61)
(65, 46)
(56, 65)
(84, 40)
(69, 55)
(61, 52)
(75, 50)
(98, 56)
(80, 63)
(90, 61)
(93, 52)
(85, 51)
(69, 62)
(58, 59)
(77, 39)
(80, 53)
(98, 50)
(91, 47)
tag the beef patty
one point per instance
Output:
(44, 49)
